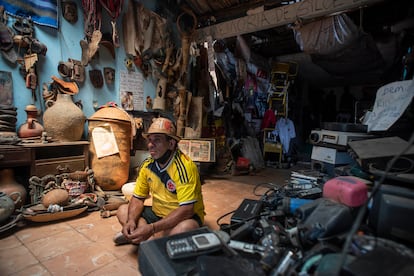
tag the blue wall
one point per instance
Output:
(61, 45)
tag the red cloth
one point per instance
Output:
(269, 119)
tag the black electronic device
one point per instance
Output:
(153, 259)
(392, 212)
(193, 245)
(248, 209)
(311, 193)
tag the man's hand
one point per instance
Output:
(142, 233)
(129, 228)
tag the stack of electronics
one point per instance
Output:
(343, 225)
(330, 144)
(290, 232)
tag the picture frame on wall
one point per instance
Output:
(199, 150)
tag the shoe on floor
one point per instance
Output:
(120, 239)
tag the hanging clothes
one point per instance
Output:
(269, 119)
(285, 130)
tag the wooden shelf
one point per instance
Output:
(48, 158)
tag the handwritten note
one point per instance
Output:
(390, 103)
(131, 90)
(104, 141)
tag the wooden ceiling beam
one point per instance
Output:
(228, 13)
(304, 10)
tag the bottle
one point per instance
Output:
(31, 128)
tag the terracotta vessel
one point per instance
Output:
(32, 128)
(63, 120)
(110, 171)
(10, 186)
(56, 196)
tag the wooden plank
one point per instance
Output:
(305, 10)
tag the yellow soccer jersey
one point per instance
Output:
(176, 184)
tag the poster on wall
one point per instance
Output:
(131, 90)
(6, 88)
(390, 103)
(199, 150)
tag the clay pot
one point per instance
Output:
(32, 128)
(63, 120)
(9, 186)
(111, 171)
(56, 196)
(7, 206)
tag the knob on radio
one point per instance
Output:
(314, 137)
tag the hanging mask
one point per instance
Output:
(70, 11)
(96, 78)
(109, 74)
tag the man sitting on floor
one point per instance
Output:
(173, 181)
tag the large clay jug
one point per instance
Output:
(63, 120)
(32, 128)
(7, 206)
(12, 188)
(110, 171)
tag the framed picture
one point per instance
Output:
(199, 150)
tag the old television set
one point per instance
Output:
(392, 212)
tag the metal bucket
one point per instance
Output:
(111, 171)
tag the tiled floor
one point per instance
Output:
(83, 245)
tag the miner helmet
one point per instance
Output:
(164, 126)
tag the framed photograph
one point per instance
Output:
(199, 150)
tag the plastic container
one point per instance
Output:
(128, 189)
(349, 190)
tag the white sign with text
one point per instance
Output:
(390, 103)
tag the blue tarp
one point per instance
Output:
(42, 12)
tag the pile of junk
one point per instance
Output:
(313, 225)
(56, 197)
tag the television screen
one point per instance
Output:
(392, 214)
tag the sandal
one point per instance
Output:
(94, 44)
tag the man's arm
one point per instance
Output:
(135, 208)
